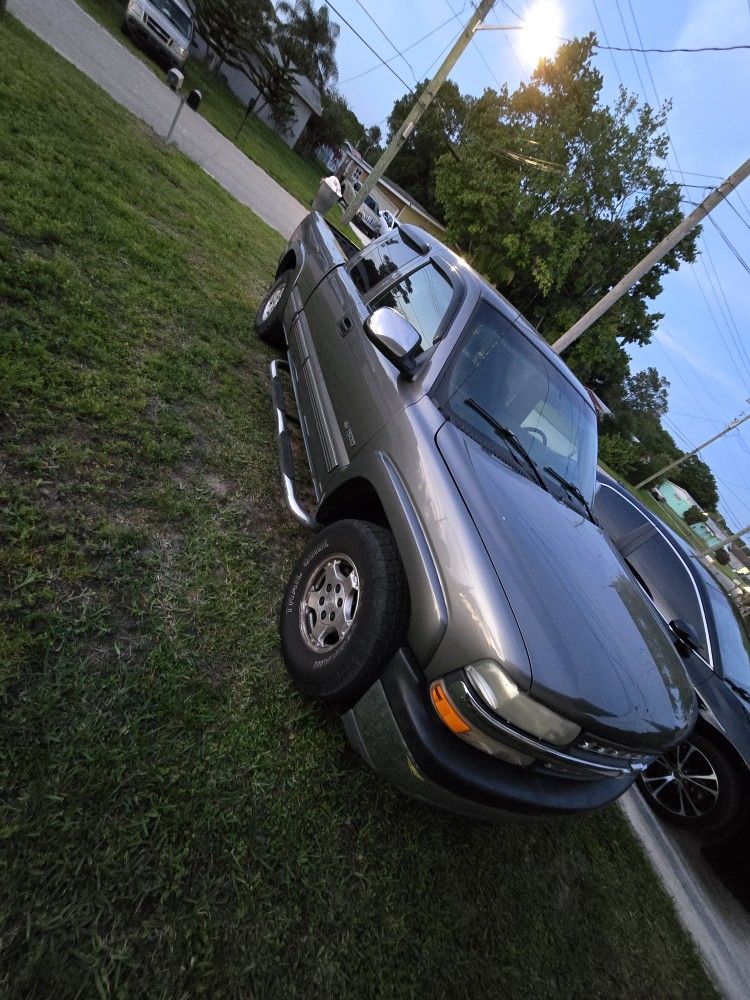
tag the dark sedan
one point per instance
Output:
(702, 783)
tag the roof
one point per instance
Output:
(309, 93)
(390, 185)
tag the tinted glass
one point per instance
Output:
(616, 515)
(423, 298)
(500, 370)
(380, 261)
(733, 640)
(177, 16)
(371, 203)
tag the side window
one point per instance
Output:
(616, 515)
(380, 261)
(423, 297)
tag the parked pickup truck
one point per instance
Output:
(491, 650)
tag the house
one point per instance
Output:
(389, 195)
(305, 101)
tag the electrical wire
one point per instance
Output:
(400, 54)
(702, 48)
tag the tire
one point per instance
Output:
(268, 319)
(350, 571)
(711, 802)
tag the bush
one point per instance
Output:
(721, 556)
(694, 515)
(619, 453)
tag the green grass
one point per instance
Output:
(223, 110)
(175, 821)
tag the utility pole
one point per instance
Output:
(720, 545)
(660, 250)
(730, 427)
(423, 102)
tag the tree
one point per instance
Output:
(646, 393)
(415, 167)
(235, 29)
(306, 40)
(556, 195)
(694, 515)
(721, 556)
(696, 477)
(333, 127)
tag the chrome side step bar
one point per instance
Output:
(286, 460)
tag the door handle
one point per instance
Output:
(345, 326)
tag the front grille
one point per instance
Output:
(157, 29)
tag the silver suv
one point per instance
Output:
(163, 25)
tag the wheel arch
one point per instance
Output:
(382, 498)
(287, 263)
(710, 732)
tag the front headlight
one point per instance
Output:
(180, 50)
(135, 9)
(507, 700)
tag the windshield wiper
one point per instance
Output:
(507, 435)
(572, 489)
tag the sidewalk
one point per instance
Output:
(83, 42)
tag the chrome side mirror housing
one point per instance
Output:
(394, 337)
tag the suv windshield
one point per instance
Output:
(176, 15)
(372, 204)
(498, 369)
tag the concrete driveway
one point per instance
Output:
(83, 42)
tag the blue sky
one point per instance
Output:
(703, 344)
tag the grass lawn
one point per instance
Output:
(222, 109)
(175, 821)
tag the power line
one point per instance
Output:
(703, 48)
(408, 48)
(367, 44)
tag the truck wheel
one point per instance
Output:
(344, 611)
(268, 323)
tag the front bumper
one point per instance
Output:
(397, 732)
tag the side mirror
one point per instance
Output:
(395, 337)
(685, 637)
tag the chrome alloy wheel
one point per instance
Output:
(329, 603)
(683, 782)
(273, 300)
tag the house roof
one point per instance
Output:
(309, 93)
(390, 185)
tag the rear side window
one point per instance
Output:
(380, 261)
(423, 297)
(617, 516)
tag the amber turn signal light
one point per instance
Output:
(446, 711)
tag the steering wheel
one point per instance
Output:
(539, 431)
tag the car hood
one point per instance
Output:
(599, 654)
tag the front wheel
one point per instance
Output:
(344, 611)
(695, 786)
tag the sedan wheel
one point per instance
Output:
(695, 785)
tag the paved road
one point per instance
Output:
(82, 41)
(717, 921)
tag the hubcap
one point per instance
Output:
(683, 782)
(273, 300)
(329, 603)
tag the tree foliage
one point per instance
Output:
(694, 515)
(306, 40)
(696, 477)
(415, 167)
(333, 127)
(236, 29)
(556, 195)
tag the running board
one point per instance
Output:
(286, 460)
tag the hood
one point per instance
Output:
(598, 651)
